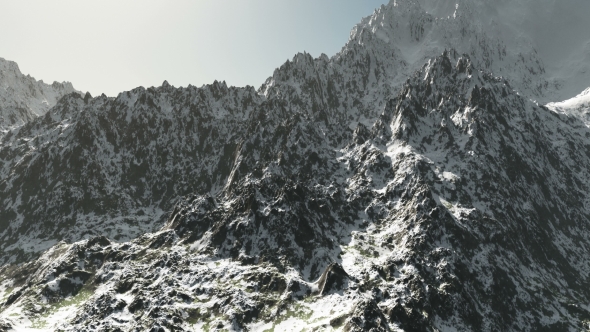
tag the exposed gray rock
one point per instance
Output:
(332, 198)
(22, 98)
(408, 230)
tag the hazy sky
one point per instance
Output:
(109, 46)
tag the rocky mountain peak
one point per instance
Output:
(502, 38)
(414, 224)
(9, 66)
(22, 98)
(578, 106)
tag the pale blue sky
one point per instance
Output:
(115, 45)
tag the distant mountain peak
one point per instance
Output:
(22, 98)
(502, 37)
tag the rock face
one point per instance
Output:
(112, 166)
(22, 98)
(332, 198)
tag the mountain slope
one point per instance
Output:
(112, 166)
(578, 106)
(75, 158)
(22, 98)
(545, 62)
(406, 227)
(386, 188)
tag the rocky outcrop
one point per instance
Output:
(22, 98)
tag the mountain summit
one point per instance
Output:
(23, 98)
(542, 47)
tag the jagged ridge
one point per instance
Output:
(421, 197)
(324, 199)
(22, 98)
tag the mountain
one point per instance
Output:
(416, 223)
(546, 62)
(22, 98)
(116, 166)
(578, 106)
(113, 166)
(410, 182)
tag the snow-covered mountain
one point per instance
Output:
(416, 223)
(114, 166)
(553, 32)
(542, 47)
(23, 98)
(410, 182)
(578, 106)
